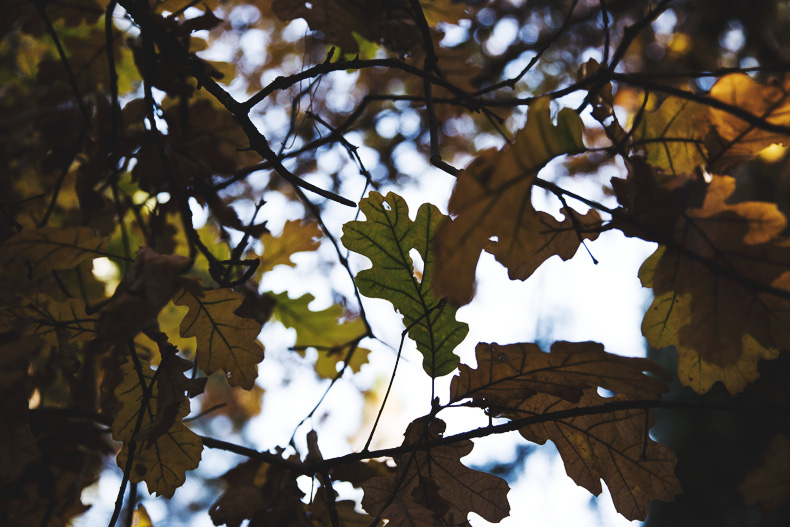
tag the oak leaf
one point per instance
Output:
(225, 341)
(733, 140)
(328, 330)
(492, 199)
(722, 289)
(35, 253)
(296, 237)
(672, 136)
(508, 374)
(386, 237)
(437, 481)
(614, 446)
(162, 462)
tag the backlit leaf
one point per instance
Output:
(327, 330)
(296, 237)
(672, 135)
(162, 463)
(492, 199)
(733, 140)
(225, 341)
(508, 374)
(613, 446)
(386, 237)
(436, 480)
(721, 293)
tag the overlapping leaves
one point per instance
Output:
(386, 237)
(492, 208)
(152, 421)
(519, 381)
(434, 486)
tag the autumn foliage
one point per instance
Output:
(140, 180)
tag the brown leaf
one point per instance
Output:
(508, 374)
(613, 446)
(296, 237)
(161, 461)
(712, 288)
(492, 198)
(435, 478)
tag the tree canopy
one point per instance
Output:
(163, 159)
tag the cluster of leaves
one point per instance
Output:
(116, 130)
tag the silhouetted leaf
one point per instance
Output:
(34, 253)
(455, 490)
(769, 485)
(508, 374)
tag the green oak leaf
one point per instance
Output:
(386, 237)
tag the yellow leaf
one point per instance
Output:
(162, 463)
(672, 135)
(296, 237)
(225, 341)
(492, 198)
(733, 140)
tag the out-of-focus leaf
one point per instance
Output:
(140, 517)
(163, 462)
(34, 253)
(672, 135)
(327, 330)
(51, 319)
(721, 313)
(296, 237)
(508, 374)
(386, 237)
(613, 446)
(769, 485)
(733, 140)
(148, 285)
(492, 207)
(225, 341)
(436, 481)
(381, 21)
